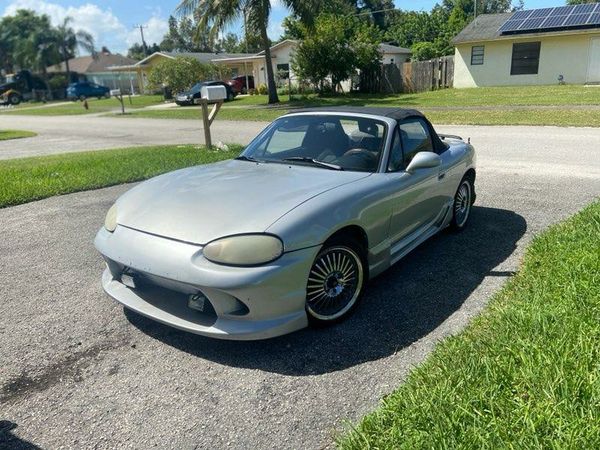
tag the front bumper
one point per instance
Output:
(246, 303)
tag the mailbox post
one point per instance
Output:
(119, 96)
(215, 95)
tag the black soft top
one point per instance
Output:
(394, 113)
(397, 114)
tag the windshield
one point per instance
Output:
(351, 143)
(196, 88)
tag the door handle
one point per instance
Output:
(441, 175)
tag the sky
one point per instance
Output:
(112, 22)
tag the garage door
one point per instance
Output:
(593, 75)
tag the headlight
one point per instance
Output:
(110, 223)
(244, 250)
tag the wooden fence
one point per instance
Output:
(417, 76)
(420, 76)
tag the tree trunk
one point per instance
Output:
(273, 98)
(66, 56)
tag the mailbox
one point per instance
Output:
(213, 93)
(115, 92)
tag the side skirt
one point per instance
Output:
(403, 247)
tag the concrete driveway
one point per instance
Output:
(80, 372)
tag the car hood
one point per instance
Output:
(203, 203)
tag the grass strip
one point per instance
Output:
(524, 374)
(5, 135)
(27, 179)
(94, 106)
(529, 116)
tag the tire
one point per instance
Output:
(14, 99)
(230, 96)
(82, 98)
(335, 282)
(461, 207)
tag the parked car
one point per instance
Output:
(288, 233)
(192, 97)
(86, 89)
(238, 84)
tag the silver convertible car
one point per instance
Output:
(288, 233)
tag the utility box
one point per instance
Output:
(213, 93)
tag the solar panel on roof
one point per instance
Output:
(520, 15)
(511, 25)
(543, 12)
(594, 19)
(576, 19)
(585, 8)
(530, 24)
(553, 22)
(546, 19)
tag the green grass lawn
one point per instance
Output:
(5, 135)
(535, 99)
(27, 179)
(529, 116)
(95, 106)
(525, 374)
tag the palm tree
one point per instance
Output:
(215, 15)
(68, 40)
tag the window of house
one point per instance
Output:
(477, 55)
(525, 58)
(283, 70)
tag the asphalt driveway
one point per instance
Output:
(80, 372)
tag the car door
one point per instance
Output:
(418, 201)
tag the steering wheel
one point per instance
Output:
(368, 159)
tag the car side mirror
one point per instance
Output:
(424, 160)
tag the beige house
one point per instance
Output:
(488, 55)
(141, 69)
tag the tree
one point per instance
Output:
(214, 15)
(184, 36)
(136, 51)
(25, 40)
(181, 73)
(581, 2)
(68, 41)
(336, 48)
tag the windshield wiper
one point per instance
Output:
(247, 158)
(316, 162)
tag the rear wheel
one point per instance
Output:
(335, 282)
(230, 96)
(461, 208)
(14, 99)
(81, 98)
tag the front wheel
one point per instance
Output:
(335, 282)
(461, 208)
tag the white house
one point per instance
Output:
(532, 47)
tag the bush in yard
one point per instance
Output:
(336, 48)
(182, 73)
(262, 89)
(423, 51)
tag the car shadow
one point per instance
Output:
(9, 440)
(399, 307)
